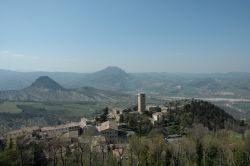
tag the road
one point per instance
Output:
(209, 99)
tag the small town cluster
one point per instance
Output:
(108, 132)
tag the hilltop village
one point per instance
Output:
(174, 133)
(109, 127)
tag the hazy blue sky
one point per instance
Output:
(136, 35)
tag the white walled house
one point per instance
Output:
(157, 117)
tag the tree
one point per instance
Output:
(10, 146)
(62, 151)
(247, 145)
(212, 154)
(2, 145)
(86, 150)
(186, 120)
(39, 157)
(21, 145)
(103, 117)
(156, 147)
(53, 149)
(8, 157)
(136, 148)
(199, 153)
(168, 156)
(121, 120)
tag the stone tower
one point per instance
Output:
(141, 102)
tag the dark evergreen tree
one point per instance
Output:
(199, 153)
(39, 156)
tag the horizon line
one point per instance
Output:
(131, 72)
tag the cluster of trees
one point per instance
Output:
(137, 123)
(57, 152)
(186, 113)
(22, 153)
(103, 116)
(201, 147)
(208, 114)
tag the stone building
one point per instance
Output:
(141, 99)
(117, 113)
(152, 108)
(71, 130)
(109, 130)
(28, 132)
(84, 122)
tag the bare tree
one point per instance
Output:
(53, 149)
(85, 147)
(21, 144)
(62, 152)
(247, 146)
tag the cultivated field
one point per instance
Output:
(9, 107)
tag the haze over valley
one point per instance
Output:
(113, 84)
(124, 83)
(220, 85)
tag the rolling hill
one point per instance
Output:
(226, 85)
(111, 78)
(46, 89)
(189, 113)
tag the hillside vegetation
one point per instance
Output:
(16, 115)
(204, 138)
(205, 113)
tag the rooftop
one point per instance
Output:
(108, 125)
(157, 113)
(71, 124)
(24, 130)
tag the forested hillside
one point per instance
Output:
(202, 112)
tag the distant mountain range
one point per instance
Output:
(229, 85)
(46, 89)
